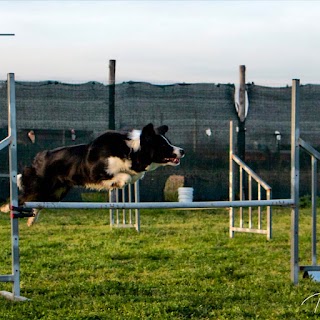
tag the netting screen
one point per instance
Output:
(198, 117)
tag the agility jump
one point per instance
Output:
(17, 212)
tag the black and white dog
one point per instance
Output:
(112, 160)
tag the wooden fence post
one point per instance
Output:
(112, 82)
(241, 143)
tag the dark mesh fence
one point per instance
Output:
(52, 110)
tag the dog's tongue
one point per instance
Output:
(175, 160)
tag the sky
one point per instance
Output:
(161, 42)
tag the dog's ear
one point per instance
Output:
(147, 133)
(148, 130)
(162, 129)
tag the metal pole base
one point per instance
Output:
(10, 296)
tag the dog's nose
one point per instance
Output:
(182, 153)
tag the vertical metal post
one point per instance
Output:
(137, 199)
(314, 210)
(111, 211)
(250, 198)
(116, 191)
(130, 200)
(269, 217)
(231, 181)
(295, 172)
(123, 192)
(13, 166)
(241, 194)
(259, 208)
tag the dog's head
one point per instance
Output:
(159, 149)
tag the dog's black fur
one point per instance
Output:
(112, 160)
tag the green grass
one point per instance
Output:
(181, 266)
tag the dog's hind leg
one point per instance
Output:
(34, 219)
(55, 195)
(36, 212)
(5, 208)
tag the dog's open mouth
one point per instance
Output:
(175, 161)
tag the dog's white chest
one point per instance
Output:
(116, 165)
(121, 172)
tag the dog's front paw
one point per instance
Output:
(120, 180)
(117, 185)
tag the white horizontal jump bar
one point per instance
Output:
(159, 205)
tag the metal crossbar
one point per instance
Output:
(261, 184)
(160, 205)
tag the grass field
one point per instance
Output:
(181, 266)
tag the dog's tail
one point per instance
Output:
(28, 184)
(5, 208)
(19, 182)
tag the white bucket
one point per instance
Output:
(185, 194)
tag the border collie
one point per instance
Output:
(111, 161)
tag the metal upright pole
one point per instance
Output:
(11, 142)
(314, 210)
(231, 181)
(13, 183)
(136, 200)
(295, 171)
